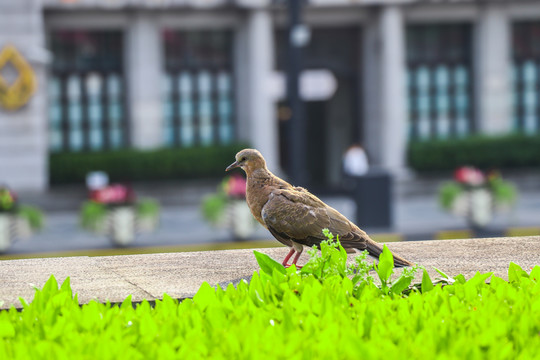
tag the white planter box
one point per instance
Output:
(240, 220)
(476, 206)
(5, 231)
(121, 225)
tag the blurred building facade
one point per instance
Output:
(155, 73)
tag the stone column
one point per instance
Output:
(261, 120)
(144, 75)
(393, 93)
(241, 84)
(23, 131)
(371, 81)
(493, 64)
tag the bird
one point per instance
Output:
(296, 217)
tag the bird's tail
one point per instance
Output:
(375, 249)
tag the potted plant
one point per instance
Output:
(228, 208)
(476, 196)
(114, 211)
(16, 221)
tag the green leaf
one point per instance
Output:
(328, 234)
(515, 273)
(268, 265)
(535, 273)
(442, 273)
(427, 284)
(24, 303)
(6, 329)
(460, 279)
(205, 296)
(50, 287)
(66, 287)
(126, 303)
(479, 278)
(148, 327)
(386, 265)
(400, 284)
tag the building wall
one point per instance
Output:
(382, 99)
(23, 136)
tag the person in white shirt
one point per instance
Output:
(355, 161)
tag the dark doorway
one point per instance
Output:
(333, 123)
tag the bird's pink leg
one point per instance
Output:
(296, 257)
(284, 263)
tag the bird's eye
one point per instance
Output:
(243, 159)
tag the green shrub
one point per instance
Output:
(510, 151)
(147, 208)
(213, 206)
(448, 193)
(33, 215)
(132, 164)
(92, 216)
(283, 313)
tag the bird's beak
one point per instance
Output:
(232, 166)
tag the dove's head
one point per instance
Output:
(248, 160)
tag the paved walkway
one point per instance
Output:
(179, 275)
(416, 218)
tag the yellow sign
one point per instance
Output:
(16, 94)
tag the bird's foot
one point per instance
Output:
(289, 265)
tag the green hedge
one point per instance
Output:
(285, 314)
(132, 165)
(510, 151)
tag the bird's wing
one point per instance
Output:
(300, 216)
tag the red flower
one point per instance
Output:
(113, 194)
(235, 186)
(469, 176)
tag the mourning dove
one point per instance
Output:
(293, 215)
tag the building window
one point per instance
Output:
(439, 81)
(87, 91)
(198, 88)
(526, 77)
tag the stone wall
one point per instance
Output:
(180, 275)
(23, 131)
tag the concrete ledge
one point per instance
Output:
(113, 278)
